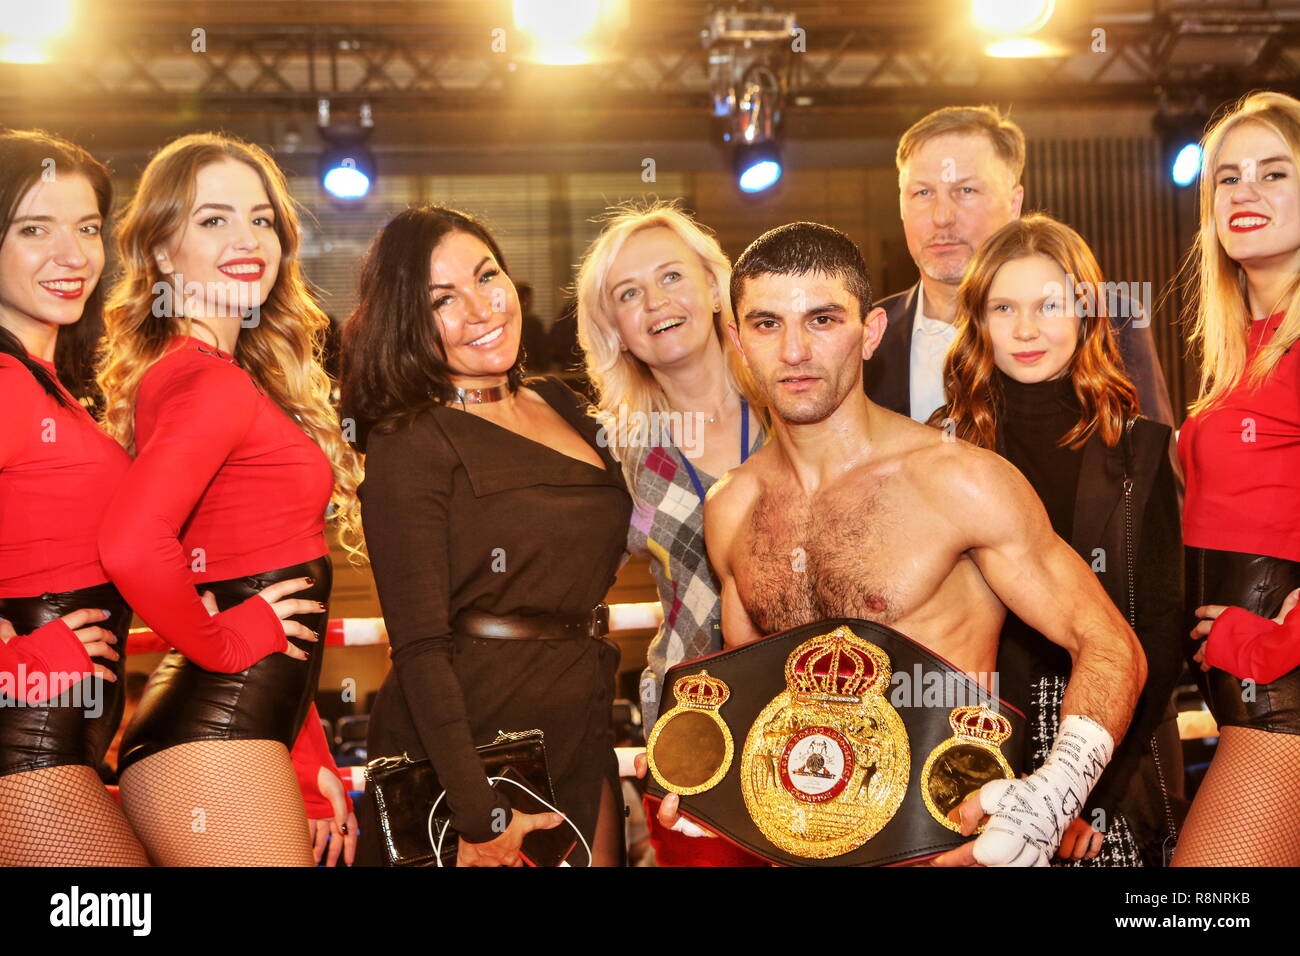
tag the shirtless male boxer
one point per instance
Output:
(857, 511)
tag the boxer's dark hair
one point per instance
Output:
(800, 248)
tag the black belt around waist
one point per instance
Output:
(533, 627)
(839, 743)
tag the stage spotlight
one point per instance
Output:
(1010, 25)
(347, 170)
(347, 166)
(27, 29)
(1180, 129)
(749, 78)
(1187, 165)
(758, 166)
(757, 157)
(1012, 16)
(568, 32)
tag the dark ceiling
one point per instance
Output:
(131, 74)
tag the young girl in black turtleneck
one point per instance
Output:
(1035, 374)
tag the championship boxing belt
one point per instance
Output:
(840, 743)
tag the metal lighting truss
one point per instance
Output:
(273, 58)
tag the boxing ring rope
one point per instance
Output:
(360, 631)
(363, 631)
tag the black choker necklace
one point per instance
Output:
(479, 396)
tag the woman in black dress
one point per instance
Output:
(1035, 373)
(490, 509)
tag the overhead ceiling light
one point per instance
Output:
(1180, 130)
(29, 29)
(1009, 26)
(758, 166)
(748, 66)
(347, 166)
(568, 32)
(1187, 165)
(1012, 16)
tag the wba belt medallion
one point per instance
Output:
(964, 762)
(690, 748)
(826, 762)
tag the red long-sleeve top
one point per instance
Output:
(42, 664)
(224, 484)
(1242, 464)
(58, 472)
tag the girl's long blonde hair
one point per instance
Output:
(622, 381)
(1218, 307)
(282, 352)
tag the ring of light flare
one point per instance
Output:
(560, 29)
(1012, 16)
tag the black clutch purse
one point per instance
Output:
(410, 804)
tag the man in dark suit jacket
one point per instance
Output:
(959, 174)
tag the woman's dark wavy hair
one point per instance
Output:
(392, 364)
(25, 156)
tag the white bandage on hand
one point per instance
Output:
(690, 829)
(1028, 817)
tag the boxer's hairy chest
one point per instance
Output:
(868, 548)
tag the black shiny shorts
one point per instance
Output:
(78, 726)
(1259, 584)
(184, 703)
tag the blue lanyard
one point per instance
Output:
(744, 449)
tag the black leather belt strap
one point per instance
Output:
(533, 627)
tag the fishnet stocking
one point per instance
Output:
(1244, 812)
(218, 803)
(63, 816)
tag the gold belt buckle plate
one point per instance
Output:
(826, 763)
(964, 762)
(690, 748)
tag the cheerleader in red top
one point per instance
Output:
(211, 378)
(1241, 453)
(60, 699)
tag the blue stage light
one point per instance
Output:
(1187, 165)
(758, 166)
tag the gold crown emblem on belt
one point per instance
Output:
(979, 723)
(701, 692)
(838, 666)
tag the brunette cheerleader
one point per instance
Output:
(62, 642)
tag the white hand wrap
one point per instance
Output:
(1028, 817)
(688, 828)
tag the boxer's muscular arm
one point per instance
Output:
(724, 511)
(1043, 581)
